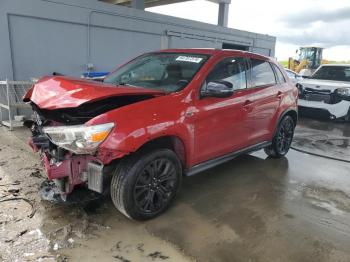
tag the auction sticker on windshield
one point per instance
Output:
(191, 59)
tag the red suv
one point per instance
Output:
(157, 118)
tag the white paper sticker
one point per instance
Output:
(191, 59)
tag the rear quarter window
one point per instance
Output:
(262, 73)
(279, 74)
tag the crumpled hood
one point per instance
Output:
(56, 92)
(323, 84)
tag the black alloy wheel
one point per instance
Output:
(145, 183)
(283, 138)
(155, 185)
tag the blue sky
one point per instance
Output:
(295, 23)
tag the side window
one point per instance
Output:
(262, 73)
(231, 70)
(279, 75)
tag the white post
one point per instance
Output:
(8, 102)
(223, 14)
(1, 118)
(138, 4)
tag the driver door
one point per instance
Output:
(218, 127)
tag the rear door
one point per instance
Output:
(264, 100)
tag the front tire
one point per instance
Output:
(282, 139)
(145, 184)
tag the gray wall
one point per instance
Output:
(39, 37)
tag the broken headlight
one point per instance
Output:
(343, 93)
(301, 90)
(79, 139)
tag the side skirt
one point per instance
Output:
(222, 159)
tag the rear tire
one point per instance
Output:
(144, 184)
(282, 139)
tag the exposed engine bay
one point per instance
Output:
(85, 112)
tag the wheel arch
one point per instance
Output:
(171, 142)
(289, 112)
(294, 115)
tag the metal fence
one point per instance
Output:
(12, 108)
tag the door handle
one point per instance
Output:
(279, 95)
(247, 104)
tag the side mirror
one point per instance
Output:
(217, 89)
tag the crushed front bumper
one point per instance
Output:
(75, 170)
(72, 170)
(323, 110)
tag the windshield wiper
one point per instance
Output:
(124, 84)
(121, 84)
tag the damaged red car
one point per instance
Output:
(162, 116)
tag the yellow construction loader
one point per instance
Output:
(307, 60)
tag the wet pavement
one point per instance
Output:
(322, 138)
(250, 209)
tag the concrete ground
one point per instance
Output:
(250, 209)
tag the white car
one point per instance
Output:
(295, 77)
(326, 94)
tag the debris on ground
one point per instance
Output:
(15, 183)
(156, 255)
(121, 258)
(36, 173)
(50, 192)
(13, 191)
(23, 199)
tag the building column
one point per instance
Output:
(138, 4)
(223, 14)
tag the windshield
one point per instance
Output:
(335, 73)
(306, 53)
(168, 72)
